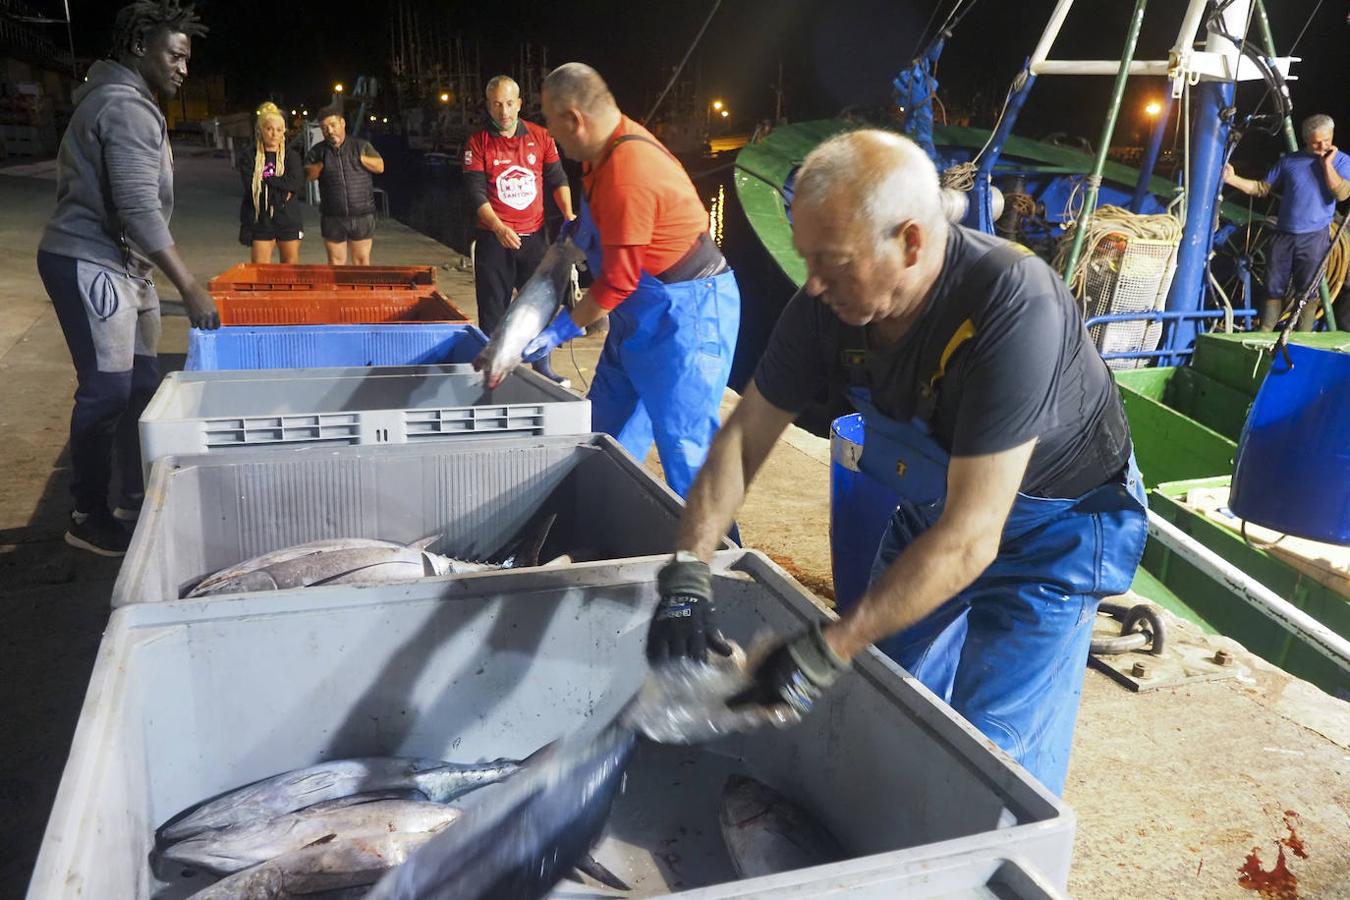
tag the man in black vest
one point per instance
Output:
(987, 412)
(347, 202)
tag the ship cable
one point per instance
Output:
(676, 74)
(1304, 296)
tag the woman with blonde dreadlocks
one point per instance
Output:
(269, 215)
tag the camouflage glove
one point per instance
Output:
(683, 625)
(796, 673)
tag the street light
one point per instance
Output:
(1152, 109)
(725, 113)
(717, 104)
(338, 88)
(445, 97)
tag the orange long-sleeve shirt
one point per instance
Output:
(646, 211)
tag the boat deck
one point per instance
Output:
(1173, 788)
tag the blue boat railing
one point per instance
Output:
(1163, 315)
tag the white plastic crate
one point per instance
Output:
(203, 513)
(191, 698)
(208, 412)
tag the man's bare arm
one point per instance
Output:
(737, 453)
(373, 163)
(1339, 187)
(1249, 186)
(562, 195)
(946, 558)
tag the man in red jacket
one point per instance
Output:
(506, 165)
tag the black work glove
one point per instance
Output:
(682, 627)
(795, 673)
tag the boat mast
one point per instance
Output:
(1094, 181)
(1210, 125)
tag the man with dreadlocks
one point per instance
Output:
(114, 197)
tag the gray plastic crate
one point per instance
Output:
(205, 512)
(208, 412)
(191, 698)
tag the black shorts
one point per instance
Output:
(281, 224)
(339, 229)
(263, 232)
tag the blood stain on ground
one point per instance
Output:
(1279, 883)
(821, 587)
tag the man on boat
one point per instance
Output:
(991, 415)
(672, 300)
(505, 165)
(114, 198)
(1310, 183)
(343, 169)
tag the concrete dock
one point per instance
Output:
(1174, 789)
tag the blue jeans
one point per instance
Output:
(1008, 652)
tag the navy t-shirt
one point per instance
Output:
(1029, 371)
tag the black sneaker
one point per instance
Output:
(98, 532)
(128, 511)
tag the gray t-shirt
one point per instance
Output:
(1029, 370)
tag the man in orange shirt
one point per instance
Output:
(672, 300)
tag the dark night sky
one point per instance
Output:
(834, 53)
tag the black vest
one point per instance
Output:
(347, 189)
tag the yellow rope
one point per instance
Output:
(1114, 222)
(960, 177)
(1338, 262)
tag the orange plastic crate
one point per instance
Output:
(274, 277)
(316, 307)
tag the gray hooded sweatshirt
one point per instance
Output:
(114, 174)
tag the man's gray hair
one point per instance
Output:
(577, 85)
(1317, 124)
(887, 177)
(497, 81)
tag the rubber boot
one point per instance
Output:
(1270, 314)
(545, 367)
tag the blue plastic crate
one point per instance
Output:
(329, 346)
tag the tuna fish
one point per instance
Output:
(433, 780)
(521, 837)
(360, 561)
(224, 851)
(331, 863)
(766, 833)
(530, 313)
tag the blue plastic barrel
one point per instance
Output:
(1293, 459)
(860, 507)
(331, 346)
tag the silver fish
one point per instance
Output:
(355, 561)
(437, 781)
(326, 865)
(530, 313)
(766, 833)
(364, 561)
(224, 851)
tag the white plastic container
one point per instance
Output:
(210, 412)
(205, 512)
(190, 698)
